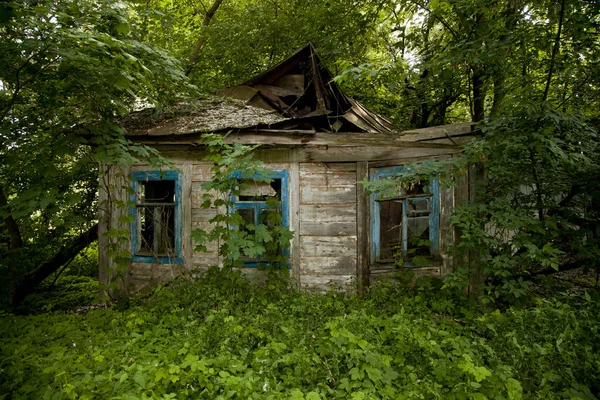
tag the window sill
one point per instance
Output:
(259, 264)
(407, 265)
(157, 260)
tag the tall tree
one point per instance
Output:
(68, 70)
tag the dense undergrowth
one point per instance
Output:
(221, 337)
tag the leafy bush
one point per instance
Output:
(85, 263)
(222, 337)
(67, 292)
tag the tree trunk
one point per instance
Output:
(499, 92)
(499, 75)
(16, 241)
(555, 50)
(477, 81)
(66, 253)
(200, 42)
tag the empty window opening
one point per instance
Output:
(155, 208)
(405, 222)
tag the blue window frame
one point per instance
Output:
(404, 225)
(156, 211)
(253, 206)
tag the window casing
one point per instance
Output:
(255, 204)
(404, 225)
(156, 212)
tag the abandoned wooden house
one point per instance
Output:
(319, 143)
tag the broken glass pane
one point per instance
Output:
(390, 229)
(165, 232)
(418, 187)
(270, 217)
(255, 190)
(418, 206)
(247, 215)
(156, 218)
(146, 227)
(157, 192)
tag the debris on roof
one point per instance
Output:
(298, 94)
(205, 115)
(302, 88)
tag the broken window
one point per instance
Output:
(404, 224)
(156, 217)
(262, 203)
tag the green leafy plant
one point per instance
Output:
(221, 336)
(267, 239)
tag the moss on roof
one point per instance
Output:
(204, 115)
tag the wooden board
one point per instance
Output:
(202, 214)
(436, 132)
(304, 138)
(305, 154)
(339, 179)
(327, 213)
(327, 195)
(362, 227)
(318, 266)
(406, 160)
(332, 154)
(113, 188)
(446, 229)
(328, 246)
(198, 193)
(147, 275)
(212, 247)
(326, 282)
(205, 259)
(328, 228)
(326, 168)
(385, 274)
(202, 173)
(294, 187)
(186, 215)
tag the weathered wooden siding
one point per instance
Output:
(328, 212)
(327, 231)
(112, 197)
(200, 217)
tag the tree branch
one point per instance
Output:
(66, 253)
(554, 50)
(440, 19)
(200, 42)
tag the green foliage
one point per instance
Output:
(69, 69)
(85, 263)
(536, 208)
(66, 293)
(222, 337)
(233, 167)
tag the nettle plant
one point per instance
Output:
(253, 236)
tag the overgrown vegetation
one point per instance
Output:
(260, 235)
(219, 336)
(527, 71)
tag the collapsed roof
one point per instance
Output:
(298, 94)
(302, 89)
